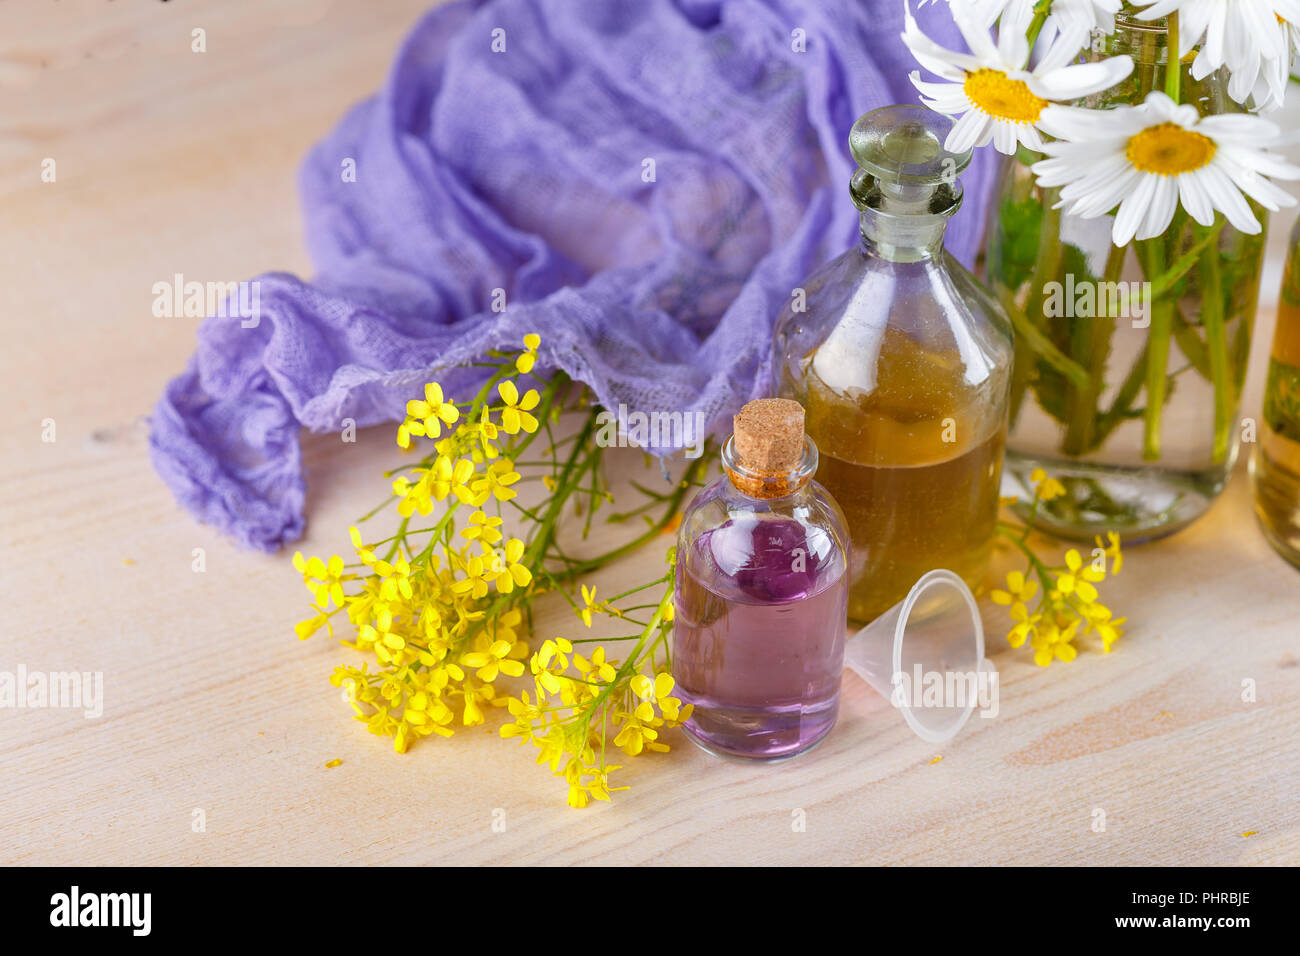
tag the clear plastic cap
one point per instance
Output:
(926, 656)
(899, 151)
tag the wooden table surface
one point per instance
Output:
(172, 161)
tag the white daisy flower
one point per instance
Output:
(1238, 34)
(1270, 88)
(996, 97)
(1147, 159)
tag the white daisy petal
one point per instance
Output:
(1132, 211)
(1160, 9)
(1160, 212)
(1227, 198)
(1004, 138)
(1194, 199)
(1074, 82)
(1108, 196)
(967, 132)
(1013, 46)
(975, 34)
(1029, 137)
(947, 98)
(948, 64)
(1234, 125)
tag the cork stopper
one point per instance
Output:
(769, 435)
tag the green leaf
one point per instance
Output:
(1015, 242)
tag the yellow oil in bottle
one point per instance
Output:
(1276, 466)
(916, 467)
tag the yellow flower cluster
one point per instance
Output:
(442, 617)
(440, 610)
(581, 702)
(1068, 606)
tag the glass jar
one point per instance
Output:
(1129, 360)
(1275, 466)
(759, 606)
(903, 362)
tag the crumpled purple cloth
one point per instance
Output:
(647, 182)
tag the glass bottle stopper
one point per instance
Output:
(899, 151)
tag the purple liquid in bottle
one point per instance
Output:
(758, 638)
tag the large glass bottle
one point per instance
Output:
(1275, 467)
(903, 363)
(761, 592)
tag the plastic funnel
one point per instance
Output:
(926, 656)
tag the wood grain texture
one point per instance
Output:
(170, 161)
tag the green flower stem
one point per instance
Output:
(1157, 360)
(670, 511)
(632, 663)
(1090, 340)
(571, 475)
(1047, 265)
(1216, 341)
(1044, 573)
(1041, 9)
(1173, 68)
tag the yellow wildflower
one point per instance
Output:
(1018, 589)
(589, 604)
(433, 411)
(1054, 643)
(1026, 624)
(597, 668)
(396, 578)
(550, 661)
(518, 411)
(1112, 551)
(1045, 488)
(483, 528)
(475, 582)
(305, 629)
(495, 482)
(493, 660)
(1077, 578)
(452, 478)
(324, 580)
(507, 569)
(486, 433)
(1101, 623)
(528, 358)
(658, 692)
(637, 734)
(573, 776)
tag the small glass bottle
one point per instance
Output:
(761, 594)
(1275, 466)
(903, 362)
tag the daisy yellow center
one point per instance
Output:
(1002, 97)
(1168, 150)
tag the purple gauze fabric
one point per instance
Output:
(525, 169)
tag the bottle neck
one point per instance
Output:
(906, 239)
(902, 223)
(754, 483)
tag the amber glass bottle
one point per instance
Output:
(902, 361)
(1275, 467)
